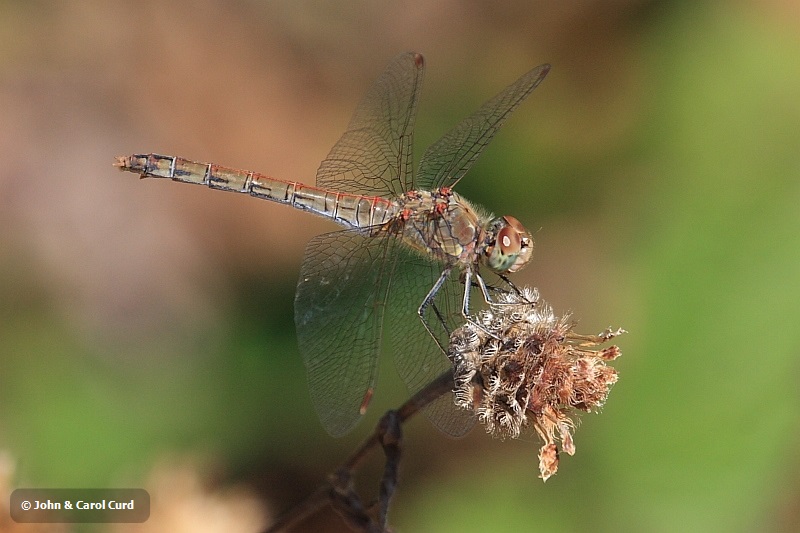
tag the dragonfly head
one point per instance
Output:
(510, 246)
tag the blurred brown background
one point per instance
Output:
(146, 332)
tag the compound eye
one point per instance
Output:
(514, 223)
(509, 240)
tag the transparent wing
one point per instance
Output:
(373, 157)
(339, 309)
(448, 159)
(418, 358)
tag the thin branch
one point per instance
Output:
(339, 492)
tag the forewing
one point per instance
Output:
(448, 159)
(373, 157)
(339, 309)
(418, 358)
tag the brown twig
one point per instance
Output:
(338, 490)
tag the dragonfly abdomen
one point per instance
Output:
(349, 210)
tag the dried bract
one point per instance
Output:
(517, 364)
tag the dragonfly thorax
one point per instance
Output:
(442, 224)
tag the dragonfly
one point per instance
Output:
(410, 247)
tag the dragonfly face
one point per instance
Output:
(509, 245)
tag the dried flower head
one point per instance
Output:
(517, 364)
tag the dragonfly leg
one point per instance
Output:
(429, 300)
(468, 274)
(491, 288)
(511, 285)
(442, 321)
(467, 286)
(486, 288)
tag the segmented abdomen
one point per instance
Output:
(350, 210)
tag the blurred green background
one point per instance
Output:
(146, 332)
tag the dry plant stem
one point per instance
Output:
(339, 492)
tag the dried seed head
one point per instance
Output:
(516, 364)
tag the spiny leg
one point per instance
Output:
(510, 284)
(486, 288)
(481, 283)
(429, 299)
(441, 318)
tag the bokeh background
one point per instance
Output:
(146, 332)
